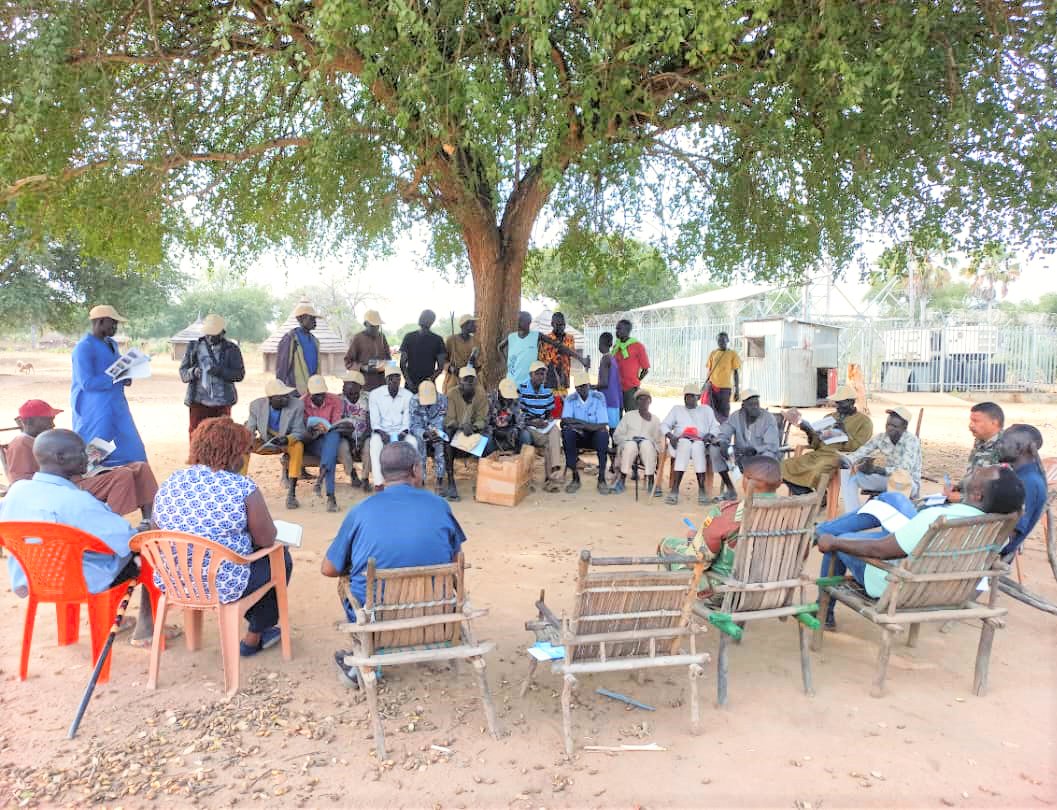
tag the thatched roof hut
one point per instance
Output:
(179, 342)
(331, 346)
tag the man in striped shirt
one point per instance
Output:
(537, 402)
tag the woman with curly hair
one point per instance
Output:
(212, 500)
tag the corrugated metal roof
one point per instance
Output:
(736, 292)
(329, 341)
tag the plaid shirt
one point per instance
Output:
(903, 456)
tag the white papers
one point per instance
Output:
(132, 365)
(97, 451)
(890, 518)
(289, 534)
(828, 432)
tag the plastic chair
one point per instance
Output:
(51, 557)
(179, 560)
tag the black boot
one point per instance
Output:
(291, 495)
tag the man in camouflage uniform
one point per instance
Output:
(986, 421)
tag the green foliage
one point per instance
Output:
(588, 274)
(247, 309)
(54, 287)
(762, 136)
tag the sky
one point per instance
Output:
(402, 285)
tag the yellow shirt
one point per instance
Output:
(721, 367)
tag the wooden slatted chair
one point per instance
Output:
(937, 582)
(768, 578)
(625, 620)
(411, 616)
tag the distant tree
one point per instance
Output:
(699, 287)
(247, 310)
(339, 298)
(588, 274)
(991, 269)
(920, 267)
(53, 286)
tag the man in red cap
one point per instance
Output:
(124, 489)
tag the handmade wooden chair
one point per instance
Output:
(666, 468)
(937, 582)
(179, 560)
(768, 578)
(625, 620)
(414, 615)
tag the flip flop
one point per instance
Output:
(171, 633)
(671, 498)
(551, 486)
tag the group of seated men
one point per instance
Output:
(468, 421)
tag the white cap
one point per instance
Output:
(372, 317)
(691, 388)
(508, 388)
(305, 309)
(427, 393)
(352, 375)
(467, 371)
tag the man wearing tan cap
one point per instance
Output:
(354, 427)
(297, 357)
(211, 367)
(803, 474)
(537, 402)
(752, 430)
(100, 410)
(390, 409)
(467, 418)
(277, 422)
(638, 436)
(322, 413)
(898, 449)
(691, 429)
(428, 411)
(506, 418)
(369, 352)
(463, 349)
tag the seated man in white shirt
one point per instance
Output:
(390, 411)
(638, 436)
(691, 429)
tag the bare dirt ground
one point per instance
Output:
(295, 737)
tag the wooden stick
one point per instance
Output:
(620, 749)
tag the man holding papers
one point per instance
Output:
(390, 410)
(843, 431)
(467, 417)
(100, 409)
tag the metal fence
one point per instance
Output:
(894, 354)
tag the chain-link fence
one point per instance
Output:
(955, 354)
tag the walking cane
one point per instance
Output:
(119, 617)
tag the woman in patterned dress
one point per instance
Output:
(212, 500)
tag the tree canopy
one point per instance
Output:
(760, 136)
(589, 274)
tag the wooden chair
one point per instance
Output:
(768, 578)
(411, 616)
(937, 582)
(179, 559)
(625, 620)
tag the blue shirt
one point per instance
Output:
(400, 527)
(1034, 502)
(309, 350)
(592, 411)
(53, 499)
(274, 415)
(521, 352)
(534, 403)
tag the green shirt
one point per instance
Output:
(910, 535)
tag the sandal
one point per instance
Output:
(551, 485)
(170, 633)
(269, 638)
(671, 498)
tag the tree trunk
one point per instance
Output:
(497, 293)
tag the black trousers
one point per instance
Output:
(573, 440)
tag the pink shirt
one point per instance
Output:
(329, 410)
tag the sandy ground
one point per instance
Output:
(295, 736)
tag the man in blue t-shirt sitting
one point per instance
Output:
(988, 490)
(585, 423)
(1019, 448)
(400, 527)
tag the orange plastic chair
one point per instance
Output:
(178, 558)
(51, 555)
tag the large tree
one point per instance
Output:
(760, 135)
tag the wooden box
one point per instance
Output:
(504, 480)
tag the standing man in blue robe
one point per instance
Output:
(297, 357)
(100, 409)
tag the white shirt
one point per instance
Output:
(680, 418)
(389, 413)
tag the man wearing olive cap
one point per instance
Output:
(802, 474)
(211, 367)
(100, 409)
(297, 357)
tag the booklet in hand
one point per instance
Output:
(97, 451)
(132, 365)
